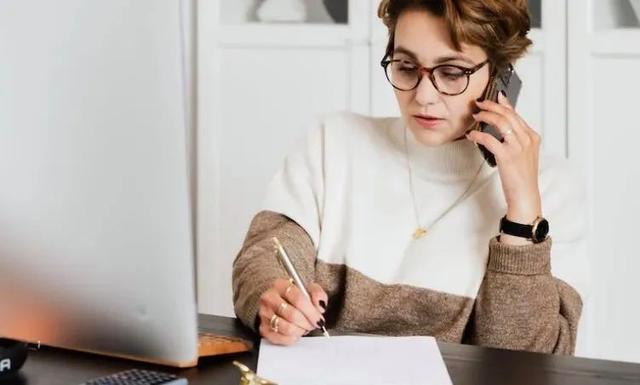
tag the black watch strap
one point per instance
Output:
(536, 232)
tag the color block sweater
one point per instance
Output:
(342, 207)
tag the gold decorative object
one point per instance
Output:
(248, 377)
(419, 233)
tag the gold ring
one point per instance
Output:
(283, 306)
(273, 322)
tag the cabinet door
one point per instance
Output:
(543, 70)
(261, 86)
(604, 57)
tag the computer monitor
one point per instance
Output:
(96, 248)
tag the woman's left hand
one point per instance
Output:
(516, 157)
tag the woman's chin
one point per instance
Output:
(431, 138)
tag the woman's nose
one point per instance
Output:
(426, 92)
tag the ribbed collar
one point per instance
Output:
(453, 161)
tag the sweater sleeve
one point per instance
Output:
(532, 296)
(521, 306)
(256, 266)
(291, 211)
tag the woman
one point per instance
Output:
(393, 222)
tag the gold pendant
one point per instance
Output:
(419, 233)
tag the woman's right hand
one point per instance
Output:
(286, 314)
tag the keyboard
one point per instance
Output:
(138, 377)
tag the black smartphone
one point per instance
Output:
(506, 81)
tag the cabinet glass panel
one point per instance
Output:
(612, 14)
(284, 11)
(535, 10)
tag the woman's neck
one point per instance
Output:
(451, 161)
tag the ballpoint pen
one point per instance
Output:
(291, 270)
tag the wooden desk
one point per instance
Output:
(466, 364)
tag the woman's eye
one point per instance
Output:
(453, 75)
(406, 66)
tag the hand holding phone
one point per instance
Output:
(507, 82)
(512, 145)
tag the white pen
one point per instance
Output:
(286, 262)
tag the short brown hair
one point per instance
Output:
(500, 27)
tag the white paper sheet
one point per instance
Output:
(354, 360)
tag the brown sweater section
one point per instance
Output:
(359, 303)
(520, 305)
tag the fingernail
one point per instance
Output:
(321, 324)
(323, 304)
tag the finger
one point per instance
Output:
(504, 101)
(533, 134)
(280, 283)
(288, 311)
(294, 296)
(319, 297)
(284, 327)
(501, 123)
(276, 338)
(509, 119)
(304, 305)
(502, 104)
(272, 301)
(505, 111)
(492, 144)
(288, 329)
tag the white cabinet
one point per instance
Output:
(604, 129)
(261, 84)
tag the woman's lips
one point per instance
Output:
(428, 122)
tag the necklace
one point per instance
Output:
(421, 230)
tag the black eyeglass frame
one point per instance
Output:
(467, 71)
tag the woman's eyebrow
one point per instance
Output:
(440, 60)
(444, 59)
(405, 51)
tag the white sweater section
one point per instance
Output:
(348, 186)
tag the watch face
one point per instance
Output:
(542, 230)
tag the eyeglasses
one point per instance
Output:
(448, 79)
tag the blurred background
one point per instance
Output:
(255, 73)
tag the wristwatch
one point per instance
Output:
(536, 231)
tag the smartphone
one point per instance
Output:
(508, 82)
